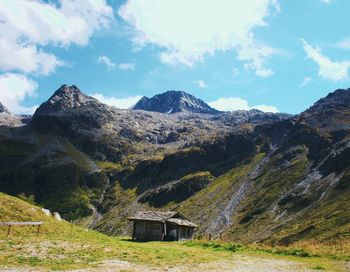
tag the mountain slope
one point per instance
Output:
(293, 185)
(174, 102)
(13, 209)
(263, 175)
(301, 191)
(72, 137)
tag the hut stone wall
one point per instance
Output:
(148, 230)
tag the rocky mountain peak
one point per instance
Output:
(173, 102)
(337, 100)
(3, 109)
(329, 113)
(340, 97)
(66, 97)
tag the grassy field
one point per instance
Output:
(62, 246)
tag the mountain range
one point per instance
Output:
(249, 175)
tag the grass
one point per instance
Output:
(318, 267)
(107, 165)
(78, 251)
(62, 245)
(88, 249)
(216, 246)
(198, 176)
(59, 246)
(337, 249)
(313, 260)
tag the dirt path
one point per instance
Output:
(238, 263)
(241, 263)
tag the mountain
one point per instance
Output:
(65, 98)
(329, 113)
(173, 102)
(3, 109)
(11, 120)
(249, 175)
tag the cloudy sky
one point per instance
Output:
(272, 55)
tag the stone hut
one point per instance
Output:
(161, 226)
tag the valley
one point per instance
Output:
(247, 175)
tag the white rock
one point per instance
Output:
(57, 216)
(46, 211)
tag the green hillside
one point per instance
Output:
(61, 247)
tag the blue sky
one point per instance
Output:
(272, 55)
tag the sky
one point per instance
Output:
(273, 55)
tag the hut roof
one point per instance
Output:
(182, 222)
(169, 216)
(153, 215)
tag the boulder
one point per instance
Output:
(57, 216)
(46, 211)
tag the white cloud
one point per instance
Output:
(328, 69)
(265, 108)
(344, 44)
(256, 58)
(111, 65)
(26, 58)
(190, 30)
(27, 25)
(229, 104)
(234, 103)
(306, 81)
(106, 61)
(14, 89)
(121, 103)
(126, 66)
(42, 23)
(200, 83)
(327, 1)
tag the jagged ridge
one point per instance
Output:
(173, 102)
